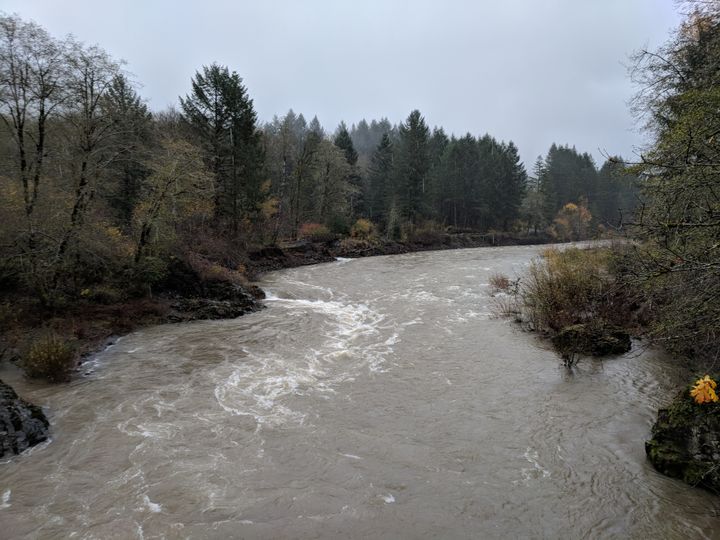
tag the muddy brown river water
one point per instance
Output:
(373, 398)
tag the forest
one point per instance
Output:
(98, 193)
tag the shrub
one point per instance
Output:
(499, 282)
(208, 270)
(103, 295)
(429, 233)
(363, 229)
(51, 358)
(566, 288)
(150, 270)
(315, 232)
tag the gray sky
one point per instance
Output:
(531, 71)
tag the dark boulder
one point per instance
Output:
(22, 424)
(685, 442)
(592, 339)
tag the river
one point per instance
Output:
(373, 398)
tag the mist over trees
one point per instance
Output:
(96, 187)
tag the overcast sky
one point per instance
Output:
(531, 71)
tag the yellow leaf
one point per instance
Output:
(704, 390)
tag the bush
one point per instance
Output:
(499, 282)
(566, 288)
(103, 295)
(51, 358)
(150, 270)
(429, 233)
(315, 232)
(363, 229)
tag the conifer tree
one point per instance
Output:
(380, 175)
(220, 114)
(411, 167)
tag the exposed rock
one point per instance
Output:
(300, 253)
(221, 300)
(592, 339)
(22, 424)
(685, 442)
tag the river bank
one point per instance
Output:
(185, 296)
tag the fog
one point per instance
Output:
(528, 71)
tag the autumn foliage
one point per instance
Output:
(704, 390)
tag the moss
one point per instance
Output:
(685, 442)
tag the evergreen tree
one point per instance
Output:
(343, 141)
(567, 176)
(411, 168)
(514, 185)
(133, 141)
(617, 193)
(220, 115)
(380, 175)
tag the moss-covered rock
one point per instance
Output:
(685, 442)
(592, 339)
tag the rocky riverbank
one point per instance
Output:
(304, 252)
(22, 424)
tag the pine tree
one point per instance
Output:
(133, 141)
(412, 166)
(221, 116)
(380, 175)
(343, 141)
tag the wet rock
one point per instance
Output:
(221, 300)
(685, 442)
(22, 424)
(592, 339)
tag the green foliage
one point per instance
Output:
(103, 294)
(678, 263)
(412, 164)
(221, 116)
(566, 176)
(50, 357)
(149, 271)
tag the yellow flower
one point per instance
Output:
(704, 390)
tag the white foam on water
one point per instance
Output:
(5, 501)
(155, 508)
(260, 385)
(537, 471)
(351, 456)
(389, 498)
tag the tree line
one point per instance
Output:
(94, 184)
